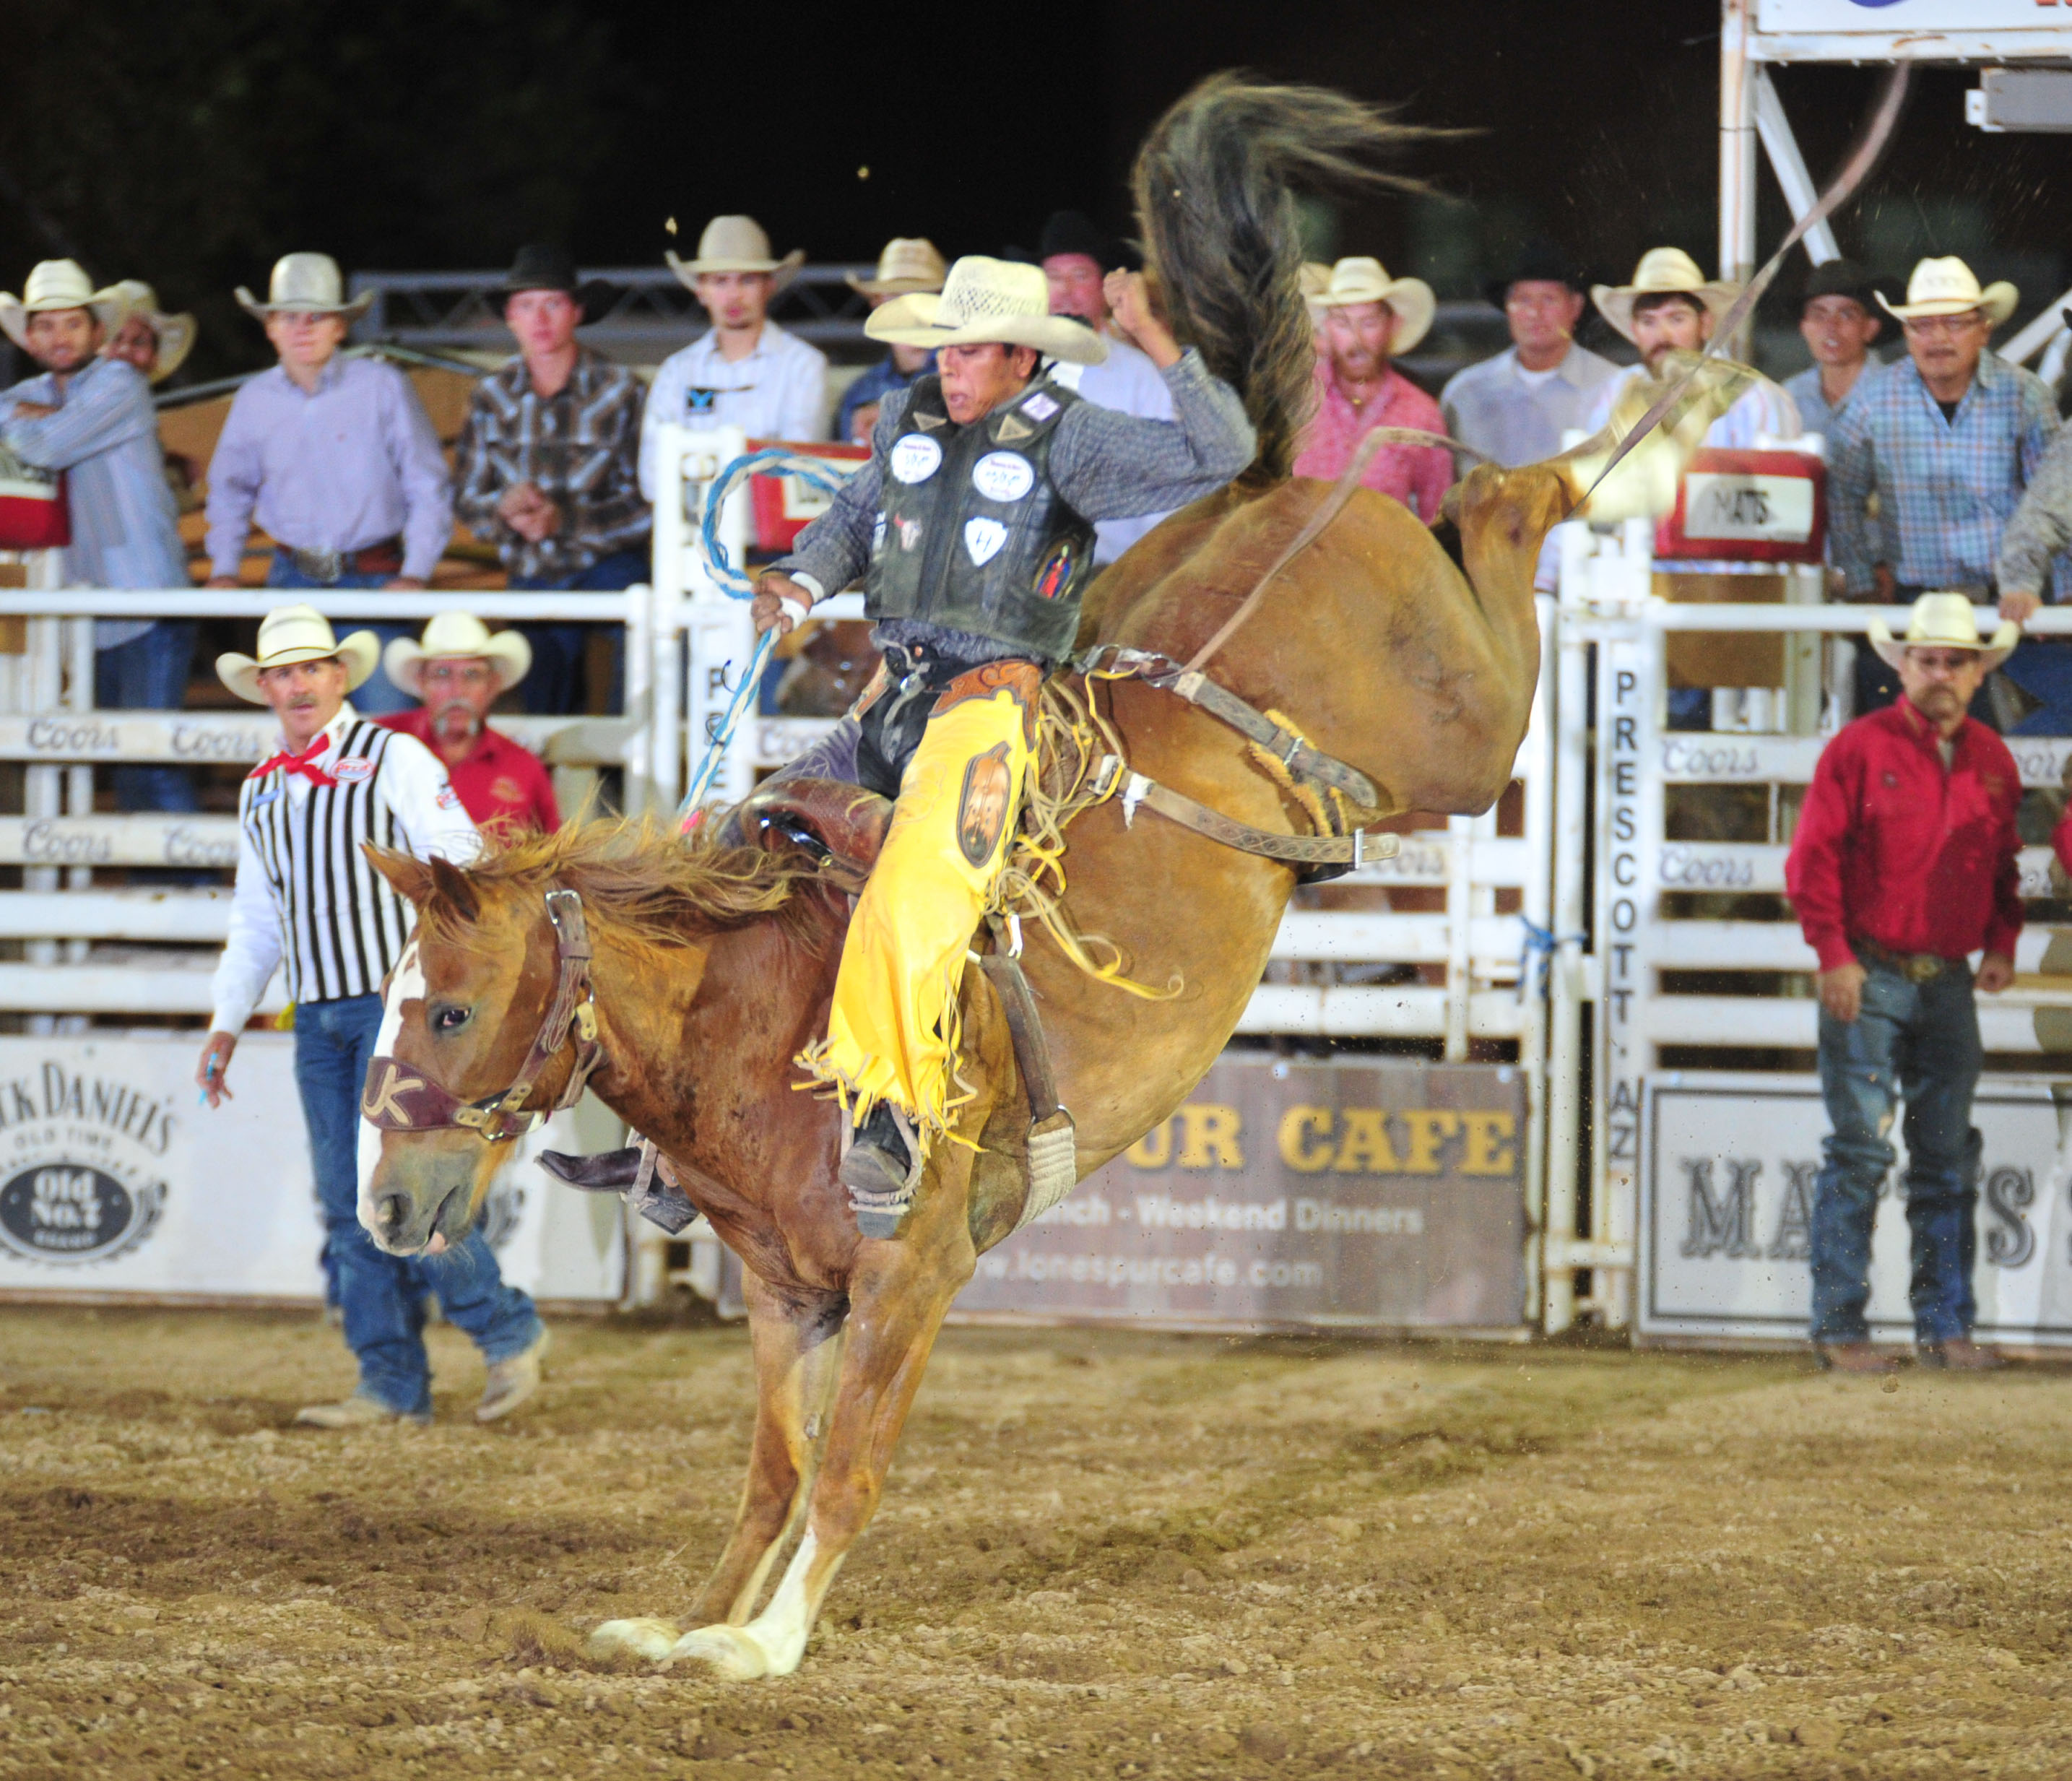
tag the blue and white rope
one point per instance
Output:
(771, 461)
(1541, 944)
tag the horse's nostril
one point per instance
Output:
(393, 1208)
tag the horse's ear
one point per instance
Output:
(410, 877)
(451, 883)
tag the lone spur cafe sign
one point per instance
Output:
(1381, 1194)
(82, 1164)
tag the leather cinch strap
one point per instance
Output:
(1357, 850)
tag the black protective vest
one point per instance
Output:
(974, 536)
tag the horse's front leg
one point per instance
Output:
(897, 1296)
(797, 1345)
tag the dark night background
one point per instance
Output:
(190, 147)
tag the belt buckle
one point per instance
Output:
(328, 566)
(1922, 967)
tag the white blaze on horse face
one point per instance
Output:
(407, 980)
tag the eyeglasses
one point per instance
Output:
(1944, 324)
(467, 673)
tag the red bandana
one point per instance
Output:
(304, 763)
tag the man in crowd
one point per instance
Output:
(1838, 319)
(1369, 319)
(335, 457)
(155, 343)
(1077, 256)
(1517, 405)
(905, 267)
(90, 416)
(1903, 865)
(306, 898)
(1947, 439)
(457, 673)
(744, 371)
(547, 466)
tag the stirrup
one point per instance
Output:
(879, 1208)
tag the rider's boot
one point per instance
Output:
(880, 1171)
(608, 1171)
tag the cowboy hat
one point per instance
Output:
(292, 634)
(456, 636)
(907, 264)
(175, 333)
(59, 284)
(1361, 279)
(736, 244)
(1663, 272)
(1074, 231)
(540, 268)
(1842, 279)
(1948, 287)
(306, 284)
(988, 300)
(1539, 262)
(1944, 621)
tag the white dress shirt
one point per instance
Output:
(778, 392)
(1129, 383)
(411, 782)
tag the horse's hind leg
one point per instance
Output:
(797, 1345)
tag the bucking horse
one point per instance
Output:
(1325, 629)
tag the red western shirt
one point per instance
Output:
(500, 782)
(1892, 848)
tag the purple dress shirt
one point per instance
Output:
(354, 464)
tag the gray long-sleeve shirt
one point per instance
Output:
(1107, 466)
(2042, 527)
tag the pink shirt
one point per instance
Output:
(1417, 475)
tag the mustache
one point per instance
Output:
(447, 707)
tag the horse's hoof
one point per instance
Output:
(652, 1639)
(730, 1650)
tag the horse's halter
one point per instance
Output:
(398, 1098)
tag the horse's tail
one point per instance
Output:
(1218, 220)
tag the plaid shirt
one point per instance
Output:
(1945, 489)
(580, 446)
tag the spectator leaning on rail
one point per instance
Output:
(335, 457)
(1368, 318)
(744, 371)
(1948, 439)
(458, 671)
(90, 416)
(1517, 405)
(2032, 559)
(307, 897)
(548, 465)
(905, 267)
(1904, 864)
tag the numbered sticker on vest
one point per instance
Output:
(1003, 476)
(983, 539)
(916, 458)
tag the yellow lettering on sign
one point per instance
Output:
(1154, 1150)
(1365, 1148)
(1486, 1148)
(1208, 1136)
(1298, 1125)
(1429, 1128)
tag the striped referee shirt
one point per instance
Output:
(306, 898)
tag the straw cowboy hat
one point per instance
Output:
(736, 244)
(1362, 280)
(59, 284)
(907, 264)
(453, 636)
(292, 634)
(986, 300)
(1663, 272)
(306, 284)
(1948, 287)
(1944, 621)
(175, 333)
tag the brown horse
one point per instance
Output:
(714, 966)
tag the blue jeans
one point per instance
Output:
(2042, 667)
(1917, 1042)
(149, 673)
(555, 686)
(381, 1295)
(377, 695)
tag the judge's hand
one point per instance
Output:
(1129, 301)
(2018, 608)
(768, 610)
(214, 1066)
(1995, 973)
(1842, 991)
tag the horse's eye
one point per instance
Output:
(449, 1019)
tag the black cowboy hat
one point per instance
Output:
(1074, 231)
(1538, 261)
(537, 267)
(1845, 279)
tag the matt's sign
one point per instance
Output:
(1383, 1195)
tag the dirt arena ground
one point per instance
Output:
(1099, 1555)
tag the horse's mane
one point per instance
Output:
(649, 883)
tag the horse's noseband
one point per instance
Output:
(398, 1098)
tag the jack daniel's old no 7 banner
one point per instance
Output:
(1381, 1195)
